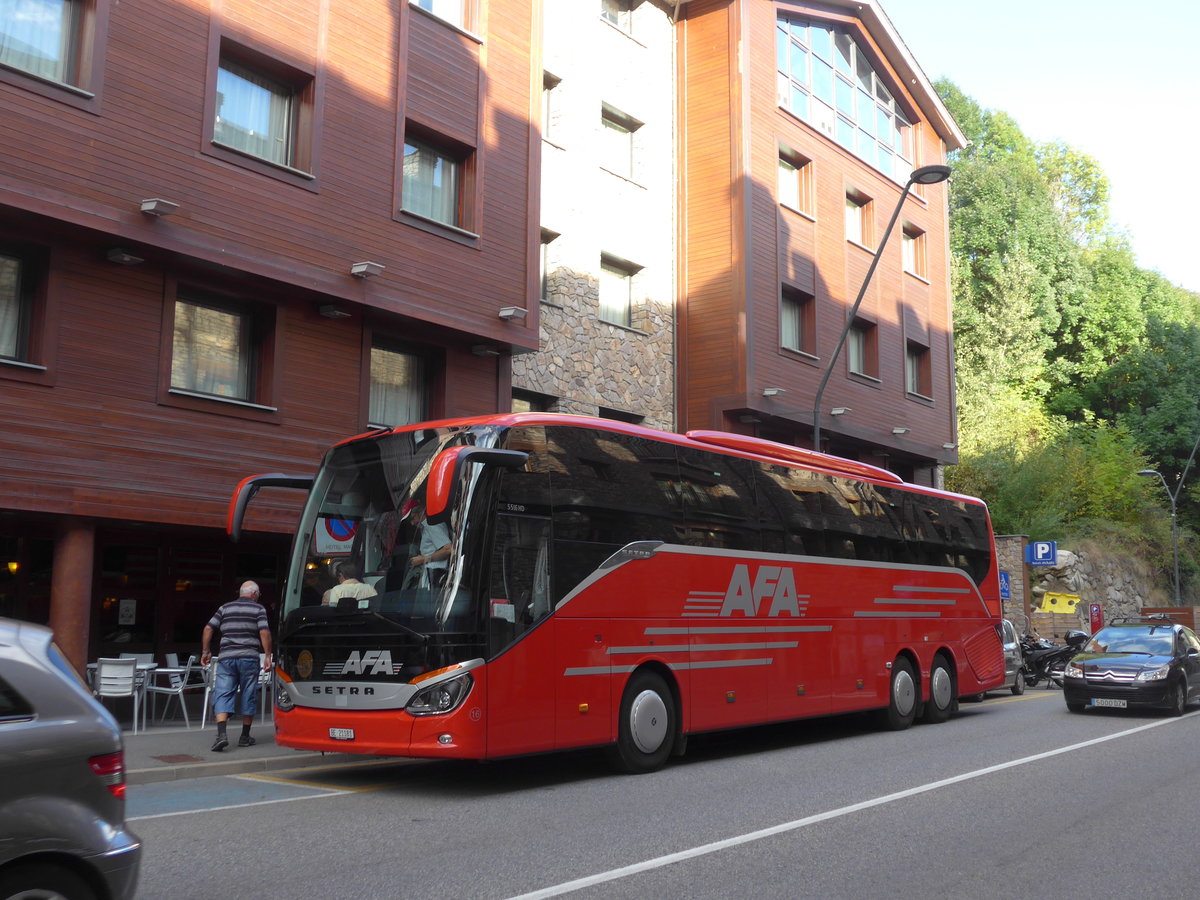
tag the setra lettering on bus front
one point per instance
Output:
(745, 596)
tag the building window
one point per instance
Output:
(617, 151)
(912, 244)
(550, 110)
(917, 375)
(618, 13)
(616, 290)
(528, 401)
(546, 263)
(797, 328)
(214, 350)
(258, 114)
(398, 387)
(795, 182)
(43, 38)
(16, 308)
(862, 350)
(825, 79)
(432, 178)
(858, 219)
(452, 11)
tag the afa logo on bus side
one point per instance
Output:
(746, 596)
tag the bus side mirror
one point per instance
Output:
(441, 490)
(248, 487)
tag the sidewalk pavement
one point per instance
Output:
(169, 752)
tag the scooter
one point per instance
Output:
(1046, 661)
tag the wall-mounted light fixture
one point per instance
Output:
(13, 565)
(840, 410)
(333, 311)
(899, 429)
(949, 446)
(366, 269)
(157, 206)
(773, 392)
(750, 420)
(484, 350)
(509, 313)
(123, 257)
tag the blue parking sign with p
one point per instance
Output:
(1042, 553)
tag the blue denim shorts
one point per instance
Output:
(237, 677)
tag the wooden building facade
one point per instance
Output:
(232, 233)
(800, 123)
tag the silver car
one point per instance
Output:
(62, 779)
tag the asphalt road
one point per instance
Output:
(1013, 797)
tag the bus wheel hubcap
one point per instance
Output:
(905, 693)
(941, 688)
(648, 721)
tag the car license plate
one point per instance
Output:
(1102, 701)
(347, 734)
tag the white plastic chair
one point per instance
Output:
(178, 684)
(119, 678)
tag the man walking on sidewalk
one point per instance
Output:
(245, 633)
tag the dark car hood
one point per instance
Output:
(1120, 662)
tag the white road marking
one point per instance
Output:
(716, 846)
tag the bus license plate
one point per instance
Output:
(347, 734)
(1115, 704)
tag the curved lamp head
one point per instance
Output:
(1149, 473)
(929, 174)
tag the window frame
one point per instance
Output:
(545, 260)
(612, 121)
(913, 252)
(83, 85)
(859, 225)
(862, 349)
(628, 272)
(805, 319)
(382, 343)
(463, 156)
(918, 370)
(263, 344)
(550, 84)
(795, 171)
(305, 96)
(38, 291)
(463, 21)
(619, 14)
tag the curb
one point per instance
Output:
(239, 766)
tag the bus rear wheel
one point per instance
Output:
(902, 700)
(646, 730)
(941, 691)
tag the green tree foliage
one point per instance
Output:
(1075, 368)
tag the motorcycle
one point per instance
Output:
(1046, 661)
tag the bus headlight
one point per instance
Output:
(443, 697)
(283, 698)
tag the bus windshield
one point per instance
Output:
(367, 556)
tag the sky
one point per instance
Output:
(1110, 79)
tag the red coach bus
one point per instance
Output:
(608, 584)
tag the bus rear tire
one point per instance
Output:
(902, 701)
(941, 691)
(646, 729)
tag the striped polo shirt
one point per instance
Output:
(239, 622)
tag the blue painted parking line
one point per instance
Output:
(194, 795)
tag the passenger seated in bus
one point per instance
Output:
(348, 586)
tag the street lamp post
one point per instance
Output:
(923, 175)
(1173, 496)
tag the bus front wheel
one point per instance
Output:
(646, 730)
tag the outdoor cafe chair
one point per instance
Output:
(179, 683)
(119, 678)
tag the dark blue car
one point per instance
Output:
(1138, 662)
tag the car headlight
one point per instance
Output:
(1073, 671)
(1155, 674)
(443, 697)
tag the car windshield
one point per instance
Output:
(1132, 640)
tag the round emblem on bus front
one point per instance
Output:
(304, 664)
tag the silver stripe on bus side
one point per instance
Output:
(741, 629)
(598, 670)
(871, 614)
(705, 648)
(721, 664)
(931, 590)
(916, 601)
